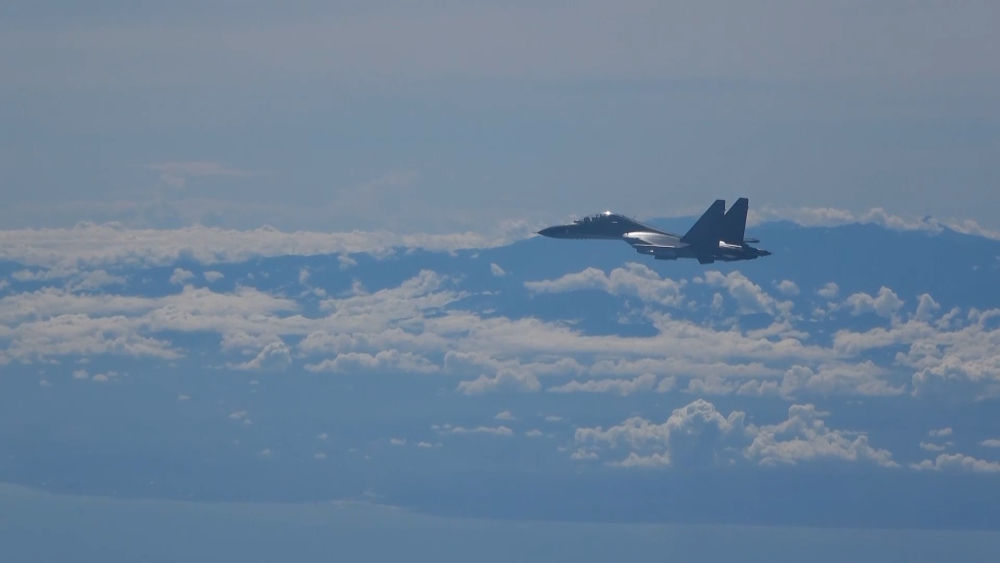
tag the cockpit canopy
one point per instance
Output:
(603, 217)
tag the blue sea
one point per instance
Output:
(38, 527)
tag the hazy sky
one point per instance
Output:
(394, 340)
(451, 115)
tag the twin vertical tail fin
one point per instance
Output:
(734, 224)
(706, 230)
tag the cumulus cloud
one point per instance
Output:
(635, 280)
(927, 308)
(828, 291)
(864, 378)
(804, 436)
(496, 270)
(885, 304)
(691, 435)
(958, 462)
(699, 434)
(788, 287)
(750, 297)
(947, 352)
(419, 326)
(181, 276)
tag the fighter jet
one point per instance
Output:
(717, 235)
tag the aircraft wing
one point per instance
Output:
(658, 245)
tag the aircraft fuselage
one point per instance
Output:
(715, 236)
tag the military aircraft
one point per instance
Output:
(717, 235)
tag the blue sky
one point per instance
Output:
(463, 115)
(257, 257)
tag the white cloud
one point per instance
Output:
(804, 436)
(496, 270)
(275, 356)
(345, 262)
(504, 415)
(691, 435)
(240, 416)
(958, 462)
(212, 276)
(583, 455)
(949, 352)
(750, 297)
(504, 380)
(103, 377)
(863, 378)
(389, 360)
(886, 304)
(829, 290)
(181, 276)
(990, 443)
(489, 430)
(832, 217)
(927, 307)
(76, 279)
(90, 245)
(700, 434)
(637, 280)
(788, 287)
(940, 432)
(623, 387)
(397, 441)
(80, 335)
(418, 327)
(932, 447)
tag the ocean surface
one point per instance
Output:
(37, 526)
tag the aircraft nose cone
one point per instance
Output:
(555, 232)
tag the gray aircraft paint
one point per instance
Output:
(716, 235)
